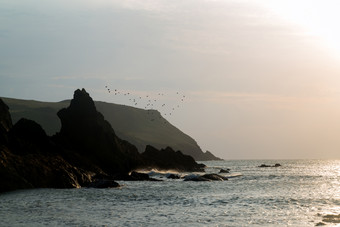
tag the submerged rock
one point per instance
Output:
(264, 165)
(205, 177)
(195, 177)
(224, 170)
(214, 177)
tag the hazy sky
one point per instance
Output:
(261, 77)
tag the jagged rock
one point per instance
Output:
(167, 159)
(85, 131)
(28, 158)
(86, 148)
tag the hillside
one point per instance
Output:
(139, 127)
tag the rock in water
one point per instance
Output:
(264, 165)
(205, 177)
(224, 170)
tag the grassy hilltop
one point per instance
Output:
(138, 126)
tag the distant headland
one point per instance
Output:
(129, 123)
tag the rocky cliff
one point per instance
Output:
(130, 124)
(167, 158)
(29, 159)
(86, 151)
(85, 131)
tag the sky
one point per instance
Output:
(261, 78)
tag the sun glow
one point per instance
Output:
(317, 18)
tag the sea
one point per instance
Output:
(299, 193)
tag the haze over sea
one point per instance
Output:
(299, 193)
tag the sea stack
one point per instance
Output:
(85, 131)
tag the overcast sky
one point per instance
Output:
(261, 77)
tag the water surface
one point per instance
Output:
(299, 193)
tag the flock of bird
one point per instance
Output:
(166, 104)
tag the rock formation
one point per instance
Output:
(86, 152)
(265, 165)
(170, 160)
(205, 177)
(85, 131)
(130, 124)
(28, 158)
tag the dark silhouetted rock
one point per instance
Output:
(168, 159)
(205, 177)
(214, 177)
(172, 176)
(206, 156)
(265, 166)
(86, 152)
(195, 177)
(130, 124)
(139, 176)
(103, 183)
(134, 176)
(5, 117)
(85, 131)
(5, 122)
(28, 158)
(224, 170)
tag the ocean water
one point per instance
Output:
(300, 193)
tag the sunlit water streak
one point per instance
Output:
(298, 194)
